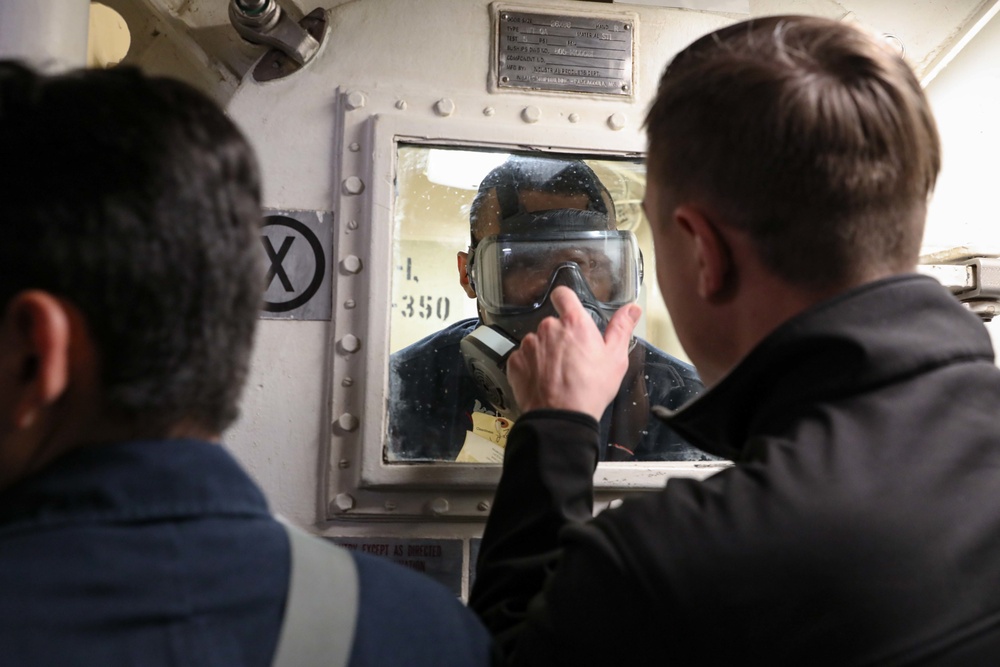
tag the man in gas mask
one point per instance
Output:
(536, 223)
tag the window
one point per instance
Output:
(541, 220)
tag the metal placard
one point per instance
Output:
(297, 248)
(583, 54)
(440, 560)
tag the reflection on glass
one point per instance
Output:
(481, 240)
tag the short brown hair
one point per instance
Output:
(807, 133)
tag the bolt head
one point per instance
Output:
(355, 99)
(531, 114)
(344, 502)
(351, 264)
(444, 107)
(440, 506)
(353, 185)
(348, 422)
(617, 121)
(350, 343)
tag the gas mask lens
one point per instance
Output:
(514, 273)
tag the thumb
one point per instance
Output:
(620, 328)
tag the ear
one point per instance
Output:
(712, 254)
(36, 368)
(463, 274)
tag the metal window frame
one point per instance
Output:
(360, 483)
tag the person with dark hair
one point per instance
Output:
(790, 163)
(131, 279)
(535, 223)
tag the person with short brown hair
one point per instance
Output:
(803, 120)
(790, 163)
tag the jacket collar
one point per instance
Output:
(133, 481)
(870, 336)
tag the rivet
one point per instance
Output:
(348, 422)
(350, 343)
(504, 79)
(354, 147)
(347, 382)
(617, 121)
(344, 463)
(401, 105)
(351, 264)
(353, 224)
(355, 99)
(531, 114)
(489, 111)
(353, 185)
(439, 506)
(444, 107)
(350, 304)
(483, 506)
(574, 118)
(344, 502)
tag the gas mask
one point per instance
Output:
(514, 275)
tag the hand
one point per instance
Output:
(566, 364)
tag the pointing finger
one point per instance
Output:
(567, 303)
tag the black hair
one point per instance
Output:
(542, 174)
(138, 201)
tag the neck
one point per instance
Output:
(754, 303)
(60, 431)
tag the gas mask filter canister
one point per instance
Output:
(486, 350)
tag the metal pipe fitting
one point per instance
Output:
(264, 22)
(254, 7)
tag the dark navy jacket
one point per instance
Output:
(432, 397)
(164, 553)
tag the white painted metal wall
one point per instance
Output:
(51, 34)
(965, 97)
(397, 60)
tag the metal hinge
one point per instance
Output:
(975, 281)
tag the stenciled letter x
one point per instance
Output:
(276, 259)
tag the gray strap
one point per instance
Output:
(322, 606)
